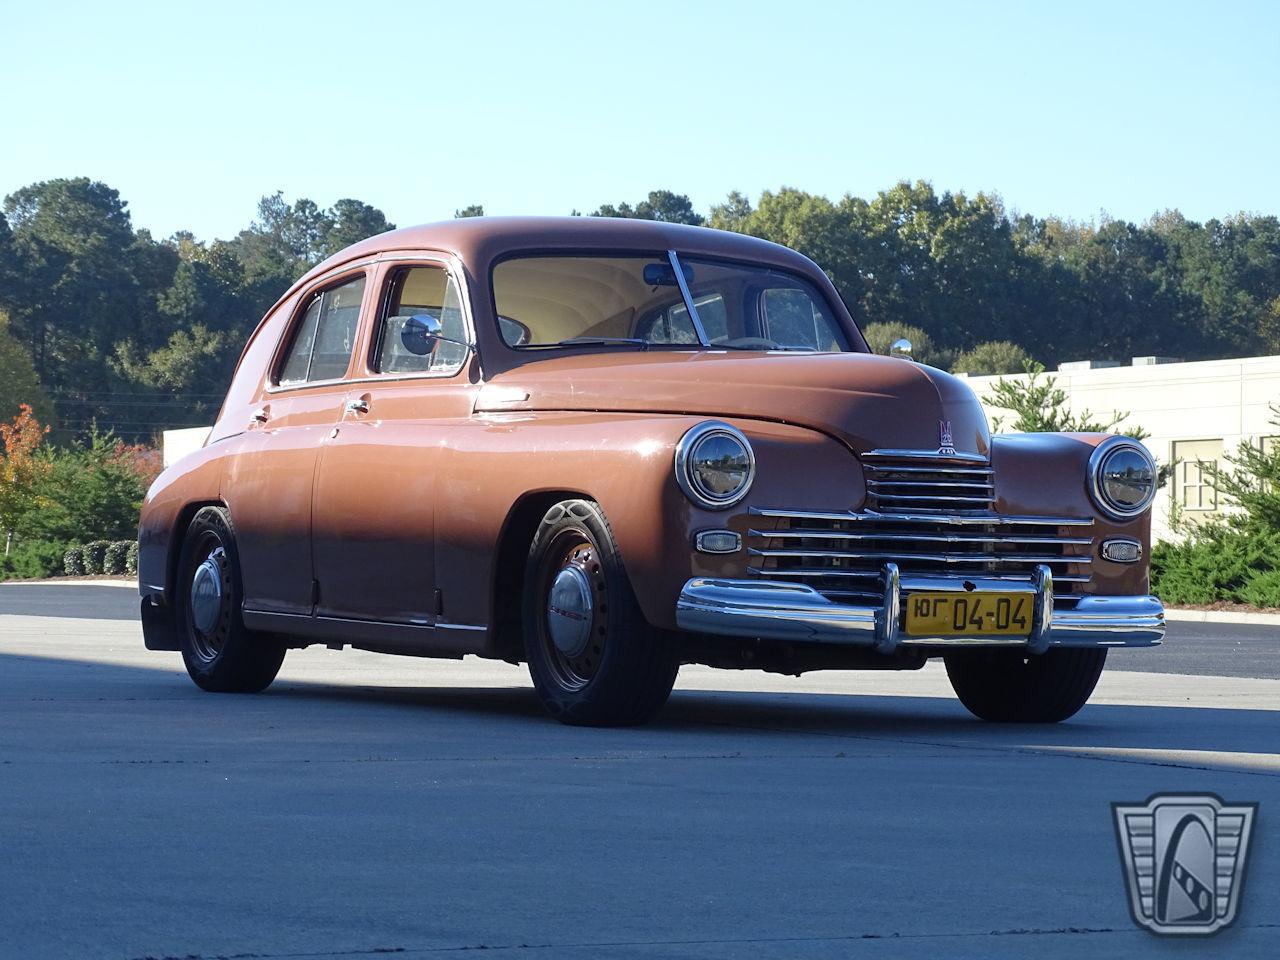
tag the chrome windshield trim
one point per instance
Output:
(688, 298)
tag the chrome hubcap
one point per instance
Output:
(569, 611)
(206, 593)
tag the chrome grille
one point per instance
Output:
(909, 481)
(842, 554)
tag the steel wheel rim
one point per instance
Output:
(572, 560)
(208, 607)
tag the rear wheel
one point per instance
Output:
(221, 655)
(593, 657)
(1010, 686)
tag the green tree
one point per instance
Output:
(475, 210)
(21, 471)
(992, 357)
(351, 221)
(18, 381)
(659, 205)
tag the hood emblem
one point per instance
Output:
(946, 445)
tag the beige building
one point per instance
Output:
(1194, 412)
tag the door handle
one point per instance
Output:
(358, 406)
(259, 415)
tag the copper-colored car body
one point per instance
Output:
(394, 512)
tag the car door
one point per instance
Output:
(268, 485)
(376, 492)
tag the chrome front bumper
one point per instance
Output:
(790, 611)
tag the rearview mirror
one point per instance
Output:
(664, 275)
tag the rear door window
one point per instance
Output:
(322, 343)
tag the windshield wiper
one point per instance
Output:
(603, 342)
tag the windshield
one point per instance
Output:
(639, 301)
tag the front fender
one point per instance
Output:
(626, 464)
(1047, 474)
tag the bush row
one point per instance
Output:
(111, 557)
(33, 559)
(1221, 564)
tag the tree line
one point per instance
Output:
(103, 325)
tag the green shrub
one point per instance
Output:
(73, 562)
(1262, 590)
(995, 356)
(113, 559)
(33, 559)
(95, 552)
(90, 489)
(131, 559)
(1219, 563)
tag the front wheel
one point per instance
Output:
(593, 657)
(1011, 686)
(221, 655)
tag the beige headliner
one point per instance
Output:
(562, 297)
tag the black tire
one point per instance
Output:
(1010, 686)
(221, 655)
(610, 668)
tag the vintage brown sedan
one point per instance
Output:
(609, 447)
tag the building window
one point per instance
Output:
(1193, 487)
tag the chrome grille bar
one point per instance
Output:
(806, 534)
(931, 557)
(942, 519)
(818, 573)
(930, 484)
(844, 552)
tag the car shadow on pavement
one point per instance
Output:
(1213, 737)
(860, 716)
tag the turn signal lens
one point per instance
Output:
(1121, 551)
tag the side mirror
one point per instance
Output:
(901, 348)
(422, 333)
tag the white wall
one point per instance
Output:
(176, 444)
(1225, 400)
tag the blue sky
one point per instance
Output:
(193, 111)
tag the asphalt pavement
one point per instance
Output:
(369, 805)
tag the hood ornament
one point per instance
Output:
(946, 445)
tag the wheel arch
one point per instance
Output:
(507, 586)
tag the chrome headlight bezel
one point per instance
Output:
(1103, 455)
(686, 465)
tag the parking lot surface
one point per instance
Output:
(371, 805)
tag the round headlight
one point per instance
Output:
(715, 465)
(1122, 478)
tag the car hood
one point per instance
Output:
(868, 401)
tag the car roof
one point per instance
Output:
(477, 241)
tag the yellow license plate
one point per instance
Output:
(968, 614)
